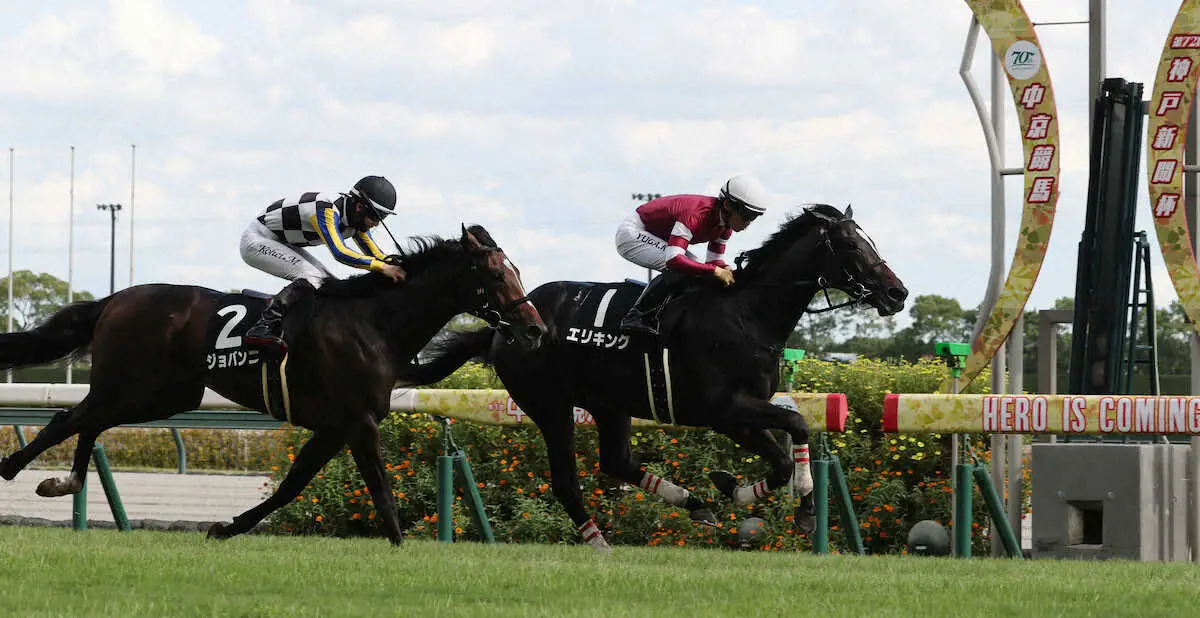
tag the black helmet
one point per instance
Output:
(378, 192)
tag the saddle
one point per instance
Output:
(596, 323)
(233, 315)
(601, 306)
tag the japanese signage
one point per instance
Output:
(1016, 45)
(822, 411)
(1170, 104)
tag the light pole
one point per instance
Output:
(112, 209)
(643, 198)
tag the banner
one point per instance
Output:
(1044, 414)
(822, 411)
(1170, 104)
(1016, 45)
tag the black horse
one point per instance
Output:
(155, 348)
(723, 347)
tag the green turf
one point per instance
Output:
(52, 572)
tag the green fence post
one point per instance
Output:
(997, 512)
(110, 488)
(79, 507)
(180, 451)
(445, 498)
(474, 500)
(820, 472)
(20, 436)
(846, 508)
(962, 510)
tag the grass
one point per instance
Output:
(53, 572)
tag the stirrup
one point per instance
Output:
(638, 325)
(271, 345)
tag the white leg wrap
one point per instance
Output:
(802, 480)
(747, 494)
(668, 491)
(591, 535)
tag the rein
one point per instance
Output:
(858, 294)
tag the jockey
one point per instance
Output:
(657, 235)
(275, 241)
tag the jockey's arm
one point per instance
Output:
(677, 258)
(716, 249)
(326, 224)
(368, 246)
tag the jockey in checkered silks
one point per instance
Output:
(275, 243)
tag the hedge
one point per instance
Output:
(895, 480)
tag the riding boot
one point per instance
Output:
(643, 316)
(267, 333)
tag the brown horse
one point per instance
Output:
(155, 348)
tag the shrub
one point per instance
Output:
(895, 480)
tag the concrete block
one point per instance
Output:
(1099, 501)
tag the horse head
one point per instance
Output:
(500, 297)
(855, 266)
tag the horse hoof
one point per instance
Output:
(55, 487)
(724, 482)
(5, 472)
(218, 532)
(704, 516)
(805, 518)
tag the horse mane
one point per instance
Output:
(423, 253)
(788, 233)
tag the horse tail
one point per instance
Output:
(446, 354)
(67, 333)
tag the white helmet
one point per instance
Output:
(746, 192)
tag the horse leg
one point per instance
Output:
(368, 455)
(60, 428)
(73, 482)
(557, 424)
(749, 413)
(763, 444)
(616, 460)
(313, 456)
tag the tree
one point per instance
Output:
(1174, 340)
(36, 296)
(937, 318)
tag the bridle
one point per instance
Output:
(852, 286)
(486, 307)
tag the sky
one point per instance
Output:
(537, 119)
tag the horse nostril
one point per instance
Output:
(897, 294)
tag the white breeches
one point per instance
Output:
(262, 250)
(637, 245)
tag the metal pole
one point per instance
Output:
(820, 472)
(10, 248)
(999, 88)
(112, 255)
(112, 259)
(71, 254)
(1096, 53)
(1015, 444)
(132, 179)
(1191, 203)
